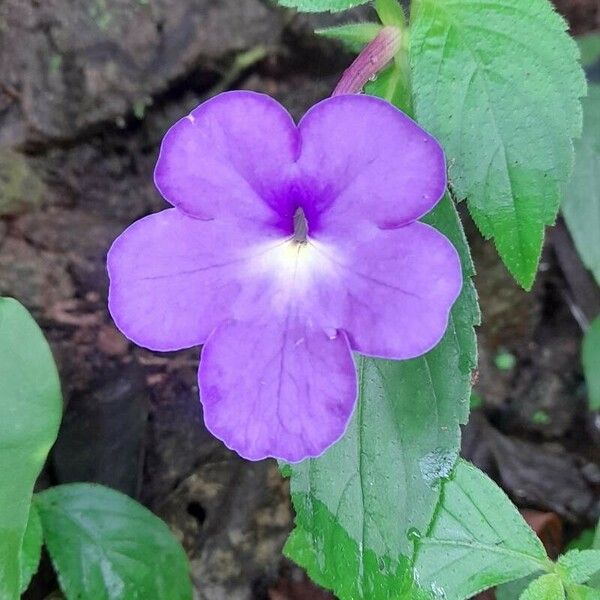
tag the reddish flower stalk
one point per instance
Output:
(373, 58)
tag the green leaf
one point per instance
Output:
(590, 356)
(477, 540)
(584, 541)
(547, 587)
(30, 405)
(354, 35)
(589, 45)
(581, 206)
(391, 12)
(578, 566)
(321, 5)
(32, 548)
(362, 505)
(498, 83)
(391, 85)
(106, 546)
(582, 592)
(513, 589)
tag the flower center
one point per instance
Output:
(300, 226)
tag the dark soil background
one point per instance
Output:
(87, 89)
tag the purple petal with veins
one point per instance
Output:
(288, 247)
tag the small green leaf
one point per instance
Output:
(581, 206)
(362, 505)
(498, 82)
(106, 546)
(547, 587)
(578, 566)
(478, 539)
(582, 592)
(321, 5)
(589, 45)
(584, 541)
(391, 13)
(505, 361)
(32, 548)
(354, 35)
(31, 407)
(590, 356)
(476, 401)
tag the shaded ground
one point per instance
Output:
(87, 89)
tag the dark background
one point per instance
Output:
(87, 89)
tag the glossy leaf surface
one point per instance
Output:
(106, 546)
(31, 407)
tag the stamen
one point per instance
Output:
(300, 226)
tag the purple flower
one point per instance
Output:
(288, 247)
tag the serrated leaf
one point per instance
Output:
(498, 83)
(321, 5)
(106, 546)
(581, 206)
(477, 540)
(590, 357)
(578, 566)
(547, 587)
(361, 506)
(31, 407)
(353, 35)
(31, 550)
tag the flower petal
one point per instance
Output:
(365, 159)
(174, 278)
(390, 290)
(232, 153)
(277, 387)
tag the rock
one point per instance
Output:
(111, 341)
(85, 62)
(37, 278)
(101, 438)
(233, 517)
(541, 476)
(80, 236)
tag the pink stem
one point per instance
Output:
(374, 56)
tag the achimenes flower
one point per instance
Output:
(288, 247)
